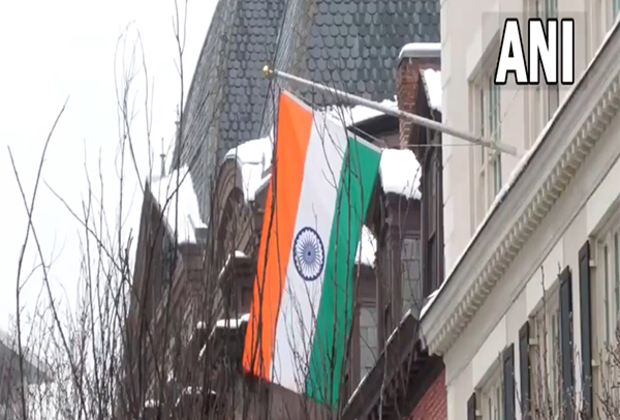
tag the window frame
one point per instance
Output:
(432, 214)
(609, 276)
(371, 307)
(544, 100)
(490, 395)
(488, 122)
(545, 347)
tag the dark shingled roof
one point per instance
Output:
(352, 45)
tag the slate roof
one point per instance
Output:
(354, 44)
(349, 44)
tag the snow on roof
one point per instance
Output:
(170, 198)
(238, 254)
(349, 116)
(432, 84)
(400, 173)
(254, 160)
(366, 248)
(520, 167)
(420, 49)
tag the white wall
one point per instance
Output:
(467, 30)
(578, 213)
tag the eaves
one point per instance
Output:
(571, 135)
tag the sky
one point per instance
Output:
(51, 51)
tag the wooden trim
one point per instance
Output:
(525, 370)
(566, 343)
(509, 383)
(586, 323)
(471, 407)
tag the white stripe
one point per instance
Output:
(301, 298)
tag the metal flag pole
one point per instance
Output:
(416, 119)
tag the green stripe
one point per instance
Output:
(359, 171)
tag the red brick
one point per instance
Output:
(407, 79)
(433, 405)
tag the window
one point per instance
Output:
(545, 358)
(489, 160)
(605, 312)
(615, 7)
(491, 397)
(411, 274)
(368, 338)
(543, 102)
(432, 214)
(611, 283)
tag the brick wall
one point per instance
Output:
(407, 83)
(433, 405)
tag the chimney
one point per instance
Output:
(413, 58)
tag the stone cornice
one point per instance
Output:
(577, 127)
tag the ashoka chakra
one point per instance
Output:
(308, 254)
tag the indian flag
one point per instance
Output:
(321, 184)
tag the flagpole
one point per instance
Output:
(416, 119)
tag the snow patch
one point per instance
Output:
(349, 116)
(432, 84)
(175, 195)
(254, 160)
(420, 49)
(232, 323)
(400, 173)
(366, 248)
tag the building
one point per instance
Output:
(349, 44)
(224, 144)
(34, 373)
(180, 353)
(406, 381)
(532, 256)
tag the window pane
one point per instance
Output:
(493, 109)
(482, 114)
(368, 338)
(411, 275)
(617, 273)
(551, 8)
(497, 173)
(606, 272)
(553, 99)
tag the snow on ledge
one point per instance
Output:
(349, 116)
(254, 160)
(232, 323)
(400, 173)
(366, 249)
(170, 199)
(432, 84)
(420, 50)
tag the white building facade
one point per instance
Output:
(531, 300)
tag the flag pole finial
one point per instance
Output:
(267, 72)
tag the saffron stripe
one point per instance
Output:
(294, 127)
(302, 294)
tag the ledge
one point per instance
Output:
(572, 134)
